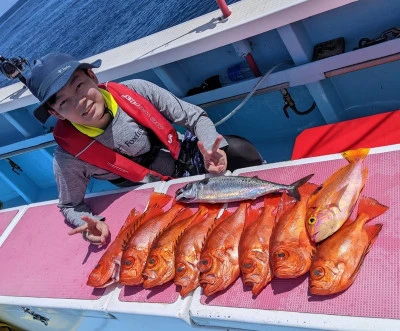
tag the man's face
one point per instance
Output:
(81, 102)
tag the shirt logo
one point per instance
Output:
(170, 139)
(144, 111)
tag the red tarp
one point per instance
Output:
(370, 131)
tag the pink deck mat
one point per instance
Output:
(167, 293)
(5, 219)
(376, 290)
(40, 259)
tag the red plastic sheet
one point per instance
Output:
(371, 131)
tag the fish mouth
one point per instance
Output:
(111, 277)
(150, 279)
(250, 280)
(320, 290)
(131, 278)
(150, 274)
(314, 236)
(181, 195)
(183, 281)
(210, 284)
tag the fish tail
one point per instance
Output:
(354, 155)
(293, 188)
(371, 207)
(159, 199)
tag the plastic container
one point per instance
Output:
(236, 72)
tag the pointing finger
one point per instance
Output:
(79, 229)
(202, 149)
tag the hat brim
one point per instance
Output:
(41, 112)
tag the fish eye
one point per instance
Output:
(318, 272)
(248, 265)
(152, 261)
(204, 265)
(312, 220)
(281, 255)
(180, 268)
(98, 266)
(128, 262)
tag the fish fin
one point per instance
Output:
(354, 155)
(252, 215)
(313, 196)
(372, 232)
(159, 199)
(364, 175)
(337, 196)
(371, 207)
(185, 213)
(132, 217)
(197, 217)
(200, 215)
(293, 190)
(224, 216)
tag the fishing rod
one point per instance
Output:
(13, 67)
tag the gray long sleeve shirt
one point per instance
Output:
(129, 138)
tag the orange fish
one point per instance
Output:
(333, 203)
(160, 265)
(135, 254)
(291, 248)
(188, 250)
(219, 261)
(338, 259)
(107, 269)
(254, 247)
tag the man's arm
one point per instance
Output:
(177, 111)
(72, 177)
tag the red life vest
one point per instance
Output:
(91, 151)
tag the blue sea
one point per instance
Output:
(85, 28)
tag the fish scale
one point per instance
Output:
(223, 189)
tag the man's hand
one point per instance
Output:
(94, 231)
(215, 160)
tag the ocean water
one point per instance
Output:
(85, 28)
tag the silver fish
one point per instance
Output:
(222, 189)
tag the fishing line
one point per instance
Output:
(248, 96)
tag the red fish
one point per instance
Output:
(291, 246)
(160, 265)
(219, 261)
(107, 269)
(254, 260)
(333, 203)
(338, 259)
(135, 255)
(188, 250)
